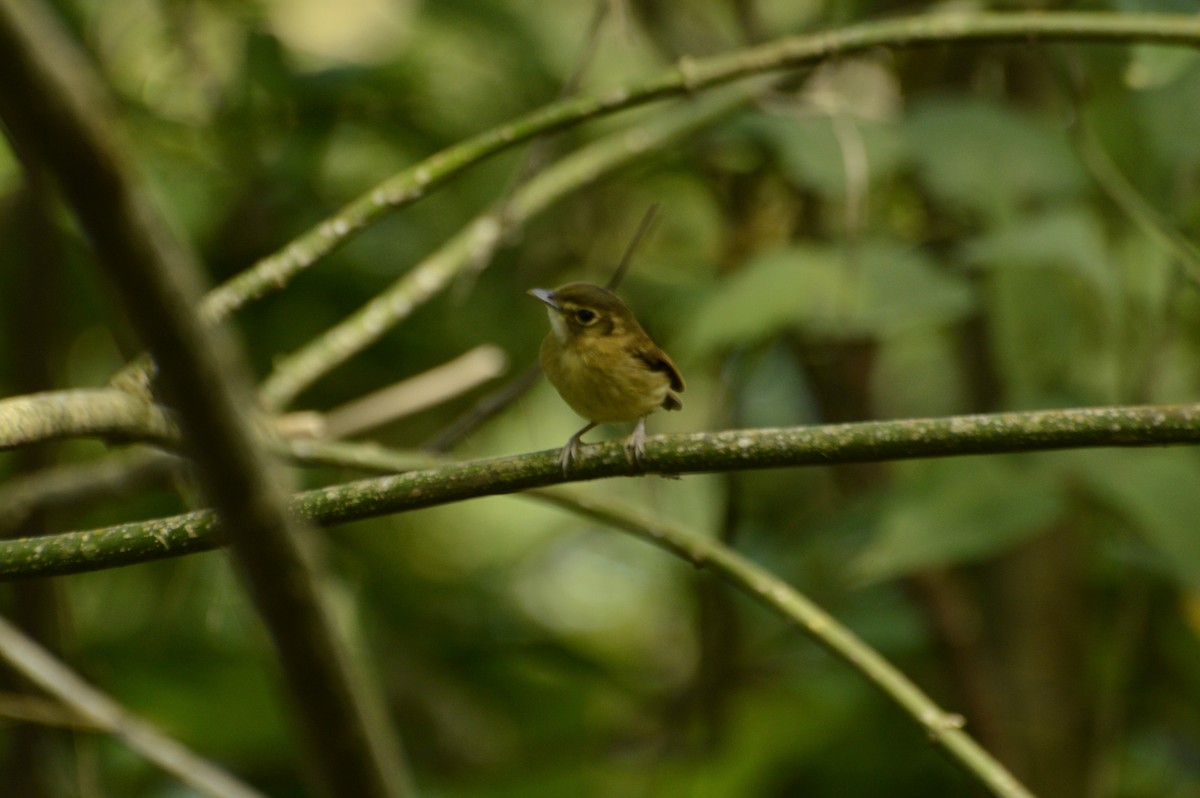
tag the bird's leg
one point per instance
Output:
(635, 444)
(569, 451)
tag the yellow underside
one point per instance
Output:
(601, 381)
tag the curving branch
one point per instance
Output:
(760, 584)
(56, 111)
(732, 450)
(690, 75)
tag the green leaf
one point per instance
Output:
(989, 159)
(1055, 300)
(1070, 238)
(1158, 493)
(1153, 66)
(888, 289)
(954, 511)
(812, 156)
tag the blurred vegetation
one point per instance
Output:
(908, 233)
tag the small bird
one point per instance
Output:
(603, 364)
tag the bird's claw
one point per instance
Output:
(567, 455)
(635, 444)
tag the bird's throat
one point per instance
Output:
(558, 325)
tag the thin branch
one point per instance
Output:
(479, 239)
(487, 407)
(42, 711)
(424, 390)
(943, 728)
(75, 484)
(537, 153)
(1132, 203)
(643, 230)
(690, 75)
(96, 709)
(702, 452)
(53, 104)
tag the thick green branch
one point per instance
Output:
(689, 76)
(1148, 425)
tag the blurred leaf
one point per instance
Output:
(363, 32)
(1055, 307)
(812, 157)
(1070, 238)
(918, 374)
(1154, 65)
(1158, 492)
(989, 159)
(949, 512)
(865, 88)
(818, 289)
(1166, 113)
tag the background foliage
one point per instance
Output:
(911, 233)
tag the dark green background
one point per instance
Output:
(983, 263)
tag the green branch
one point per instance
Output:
(690, 75)
(943, 728)
(1146, 425)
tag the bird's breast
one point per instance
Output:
(601, 380)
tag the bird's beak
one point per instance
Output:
(545, 295)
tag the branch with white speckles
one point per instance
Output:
(1144, 425)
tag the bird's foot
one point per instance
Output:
(571, 450)
(635, 444)
(568, 453)
(635, 448)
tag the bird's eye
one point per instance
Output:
(585, 316)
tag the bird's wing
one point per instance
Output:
(659, 360)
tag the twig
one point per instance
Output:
(1132, 203)
(74, 484)
(487, 407)
(643, 229)
(462, 374)
(96, 709)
